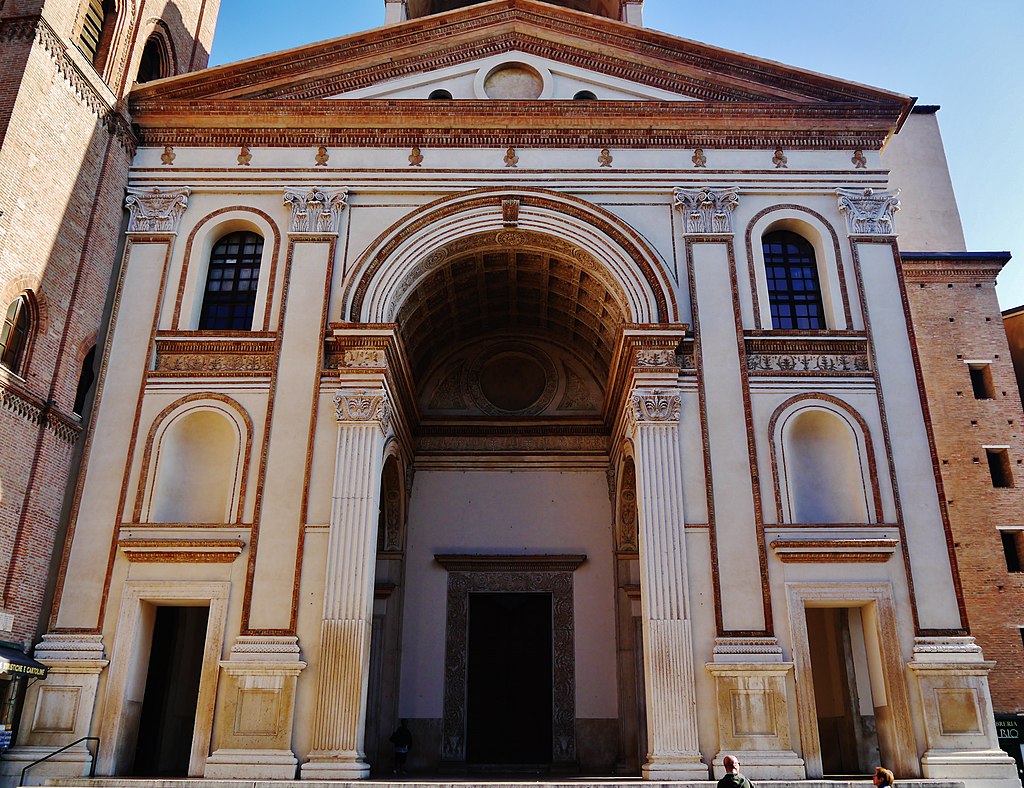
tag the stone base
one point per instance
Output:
(675, 769)
(74, 763)
(339, 768)
(768, 765)
(976, 768)
(111, 782)
(251, 765)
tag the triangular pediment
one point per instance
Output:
(649, 63)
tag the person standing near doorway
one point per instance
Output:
(733, 778)
(402, 740)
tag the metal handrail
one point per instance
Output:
(92, 763)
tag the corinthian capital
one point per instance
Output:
(656, 406)
(707, 211)
(358, 405)
(156, 210)
(868, 212)
(316, 211)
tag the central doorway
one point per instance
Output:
(509, 679)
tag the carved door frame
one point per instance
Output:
(468, 574)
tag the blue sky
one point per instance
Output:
(966, 57)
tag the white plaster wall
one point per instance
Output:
(515, 513)
(929, 220)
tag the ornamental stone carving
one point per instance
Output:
(657, 358)
(656, 406)
(708, 211)
(363, 406)
(868, 212)
(315, 210)
(156, 210)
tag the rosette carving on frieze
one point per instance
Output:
(363, 406)
(656, 406)
(313, 210)
(156, 210)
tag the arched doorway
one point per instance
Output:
(514, 321)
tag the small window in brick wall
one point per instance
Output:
(999, 467)
(981, 381)
(1013, 549)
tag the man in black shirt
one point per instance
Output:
(733, 778)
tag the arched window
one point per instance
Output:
(154, 62)
(794, 291)
(15, 334)
(440, 95)
(585, 95)
(231, 282)
(97, 30)
(85, 380)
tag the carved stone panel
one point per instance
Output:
(510, 574)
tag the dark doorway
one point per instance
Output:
(509, 692)
(847, 728)
(168, 715)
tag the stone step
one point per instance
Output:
(418, 782)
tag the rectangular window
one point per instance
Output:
(92, 29)
(1013, 549)
(981, 381)
(999, 467)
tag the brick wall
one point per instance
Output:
(956, 319)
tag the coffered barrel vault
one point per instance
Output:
(569, 373)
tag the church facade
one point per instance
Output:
(541, 379)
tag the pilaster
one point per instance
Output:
(395, 11)
(673, 747)
(960, 729)
(364, 422)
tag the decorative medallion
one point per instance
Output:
(511, 379)
(322, 157)
(168, 156)
(699, 159)
(415, 157)
(244, 156)
(605, 159)
(511, 159)
(859, 160)
(779, 160)
(510, 238)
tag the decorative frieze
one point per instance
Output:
(869, 212)
(156, 210)
(316, 211)
(181, 551)
(834, 551)
(214, 357)
(363, 406)
(708, 211)
(807, 356)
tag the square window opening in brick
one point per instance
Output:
(999, 467)
(1013, 549)
(981, 381)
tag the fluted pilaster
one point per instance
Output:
(364, 420)
(668, 654)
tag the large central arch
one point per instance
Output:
(405, 254)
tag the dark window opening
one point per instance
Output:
(981, 381)
(585, 95)
(152, 63)
(1013, 550)
(96, 32)
(14, 334)
(794, 291)
(999, 467)
(440, 95)
(85, 381)
(231, 283)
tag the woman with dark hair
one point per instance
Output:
(883, 777)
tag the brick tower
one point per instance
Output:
(66, 142)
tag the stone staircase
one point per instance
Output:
(426, 782)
